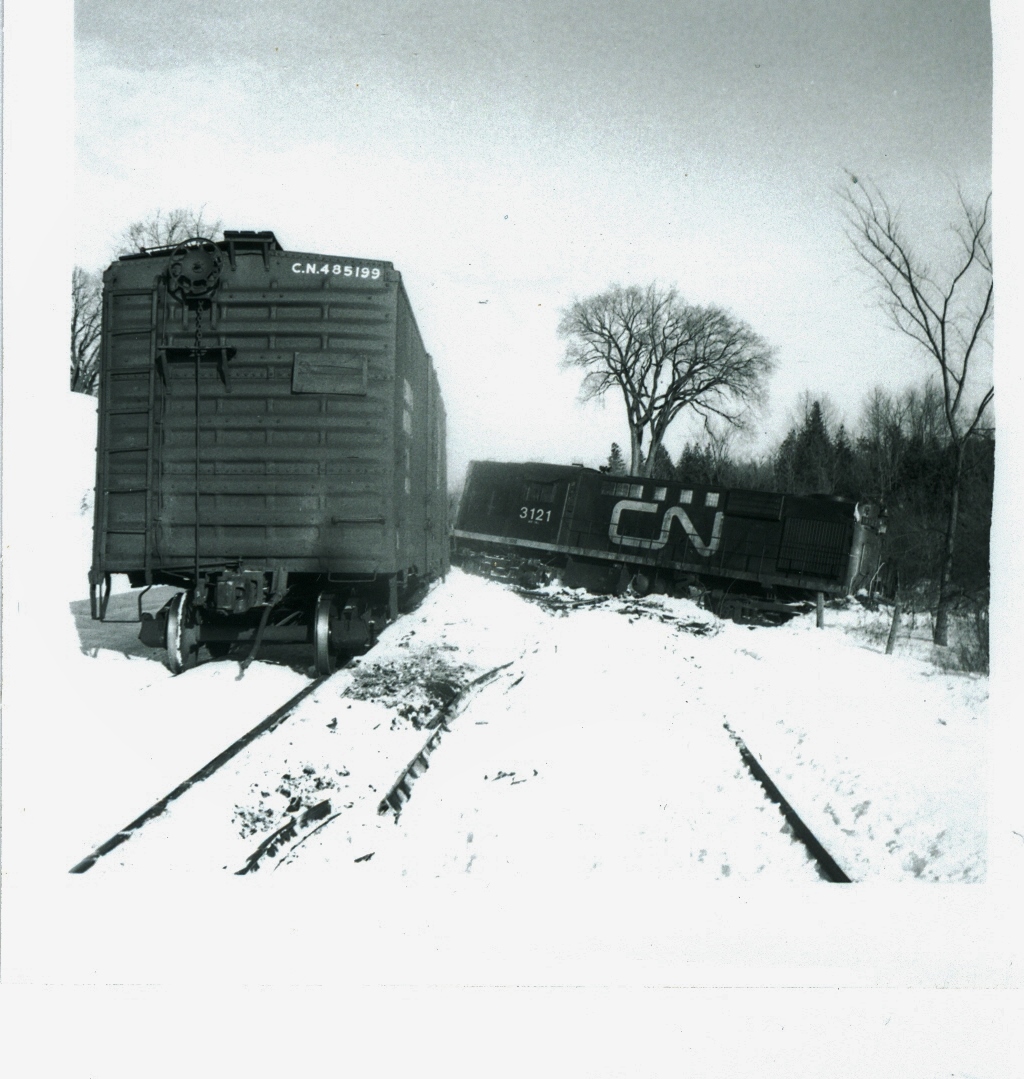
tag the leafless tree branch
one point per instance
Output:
(86, 320)
(162, 229)
(947, 314)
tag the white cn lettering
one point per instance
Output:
(633, 507)
(325, 268)
(310, 267)
(296, 267)
(677, 513)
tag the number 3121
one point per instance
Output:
(534, 516)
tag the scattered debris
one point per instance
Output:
(417, 689)
(301, 792)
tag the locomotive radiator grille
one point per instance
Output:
(815, 548)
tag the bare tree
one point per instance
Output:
(946, 312)
(158, 230)
(663, 355)
(719, 444)
(86, 317)
(884, 440)
(162, 229)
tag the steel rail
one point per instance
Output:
(275, 719)
(286, 838)
(827, 865)
(400, 791)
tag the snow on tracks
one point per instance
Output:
(599, 751)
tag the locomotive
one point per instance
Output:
(748, 555)
(271, 440)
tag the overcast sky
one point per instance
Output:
(510, 156)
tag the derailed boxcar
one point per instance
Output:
(745, 551)
(272, 440)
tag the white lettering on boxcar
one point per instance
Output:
(337, 269)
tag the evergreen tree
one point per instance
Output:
(662, 469)
(844, 468)
(695, 465)
(616, 462)
(812, 463)
(785, 463)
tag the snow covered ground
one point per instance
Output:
(585, 817)
(599, 750)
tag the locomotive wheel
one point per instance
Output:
(641, 584)
(323, 657)
(182, 641)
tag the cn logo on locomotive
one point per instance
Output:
(673, 513)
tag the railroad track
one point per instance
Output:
(286, 838)
(295, 829)
(271, 722)
(827, 866)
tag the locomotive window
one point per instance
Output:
(685, 498)
(623, 490)
(660, 493)
(539, 492)
(711, 498)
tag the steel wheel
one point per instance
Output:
(182, 640)
(323, 659)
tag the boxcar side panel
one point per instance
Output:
(419, 480)
(295, 413)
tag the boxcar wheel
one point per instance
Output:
(182, 640)
(323, 657)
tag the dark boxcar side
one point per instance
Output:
(419, 481)
(277, 430)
